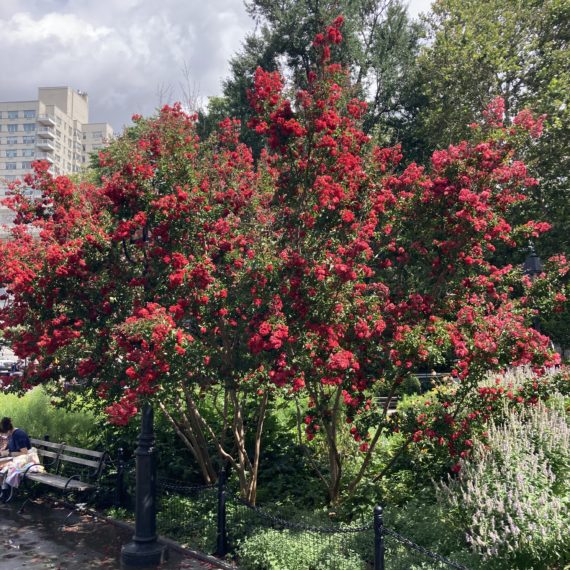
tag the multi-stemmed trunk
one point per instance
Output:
(205, 444)
(331, 422)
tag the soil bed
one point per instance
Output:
(36, 539)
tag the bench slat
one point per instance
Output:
(393, 401)
(59, 482)
(79, 460)
(81, 451)
(44, 453)
(44, 443)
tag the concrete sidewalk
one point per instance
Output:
(35, 539)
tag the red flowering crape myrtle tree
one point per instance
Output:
(325, 272)
(146, 286)
(385, 268)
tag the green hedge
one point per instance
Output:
(35, 414)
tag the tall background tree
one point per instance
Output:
(379, 48)
(426, 82)
(515, 49)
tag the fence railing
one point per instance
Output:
(215, 520)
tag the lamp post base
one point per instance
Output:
(143, 555)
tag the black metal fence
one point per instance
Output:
(215, 520)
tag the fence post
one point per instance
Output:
(222, 539)
(120, 483)
(378, 538)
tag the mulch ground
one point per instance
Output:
(36, 539)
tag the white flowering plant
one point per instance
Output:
(512, 496)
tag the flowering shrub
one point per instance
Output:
(424, 418)
(325, 272)
(512, 494)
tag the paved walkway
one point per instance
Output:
(35, 539)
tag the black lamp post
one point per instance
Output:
(533, 267)
(144, 550)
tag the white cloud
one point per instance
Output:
(67, 29)
(121, 52)
(416, 7)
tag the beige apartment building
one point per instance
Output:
(95, 136)
(54, 127)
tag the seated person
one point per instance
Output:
(18, 443)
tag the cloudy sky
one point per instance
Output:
(129, 55)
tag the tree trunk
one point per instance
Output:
(335, 462)
(247, 467)
(189, 437)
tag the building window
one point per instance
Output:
(29, 114)
(30, 127)
(11, 166)
(12, 140)
(12, 114)
(11, 153)
(27, 165)
(28, 152)
(13, 128)
(97, 135)
(29, 140)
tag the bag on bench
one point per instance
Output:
(14, 470)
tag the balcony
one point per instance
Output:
(44, 156)
(48, 120)
(46, 133)
(45, 145)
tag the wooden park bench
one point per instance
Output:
(68, 469)
(392, 405)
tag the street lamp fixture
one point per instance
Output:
(532, 265)
(4, 298)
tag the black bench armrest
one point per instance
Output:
(72, 478)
